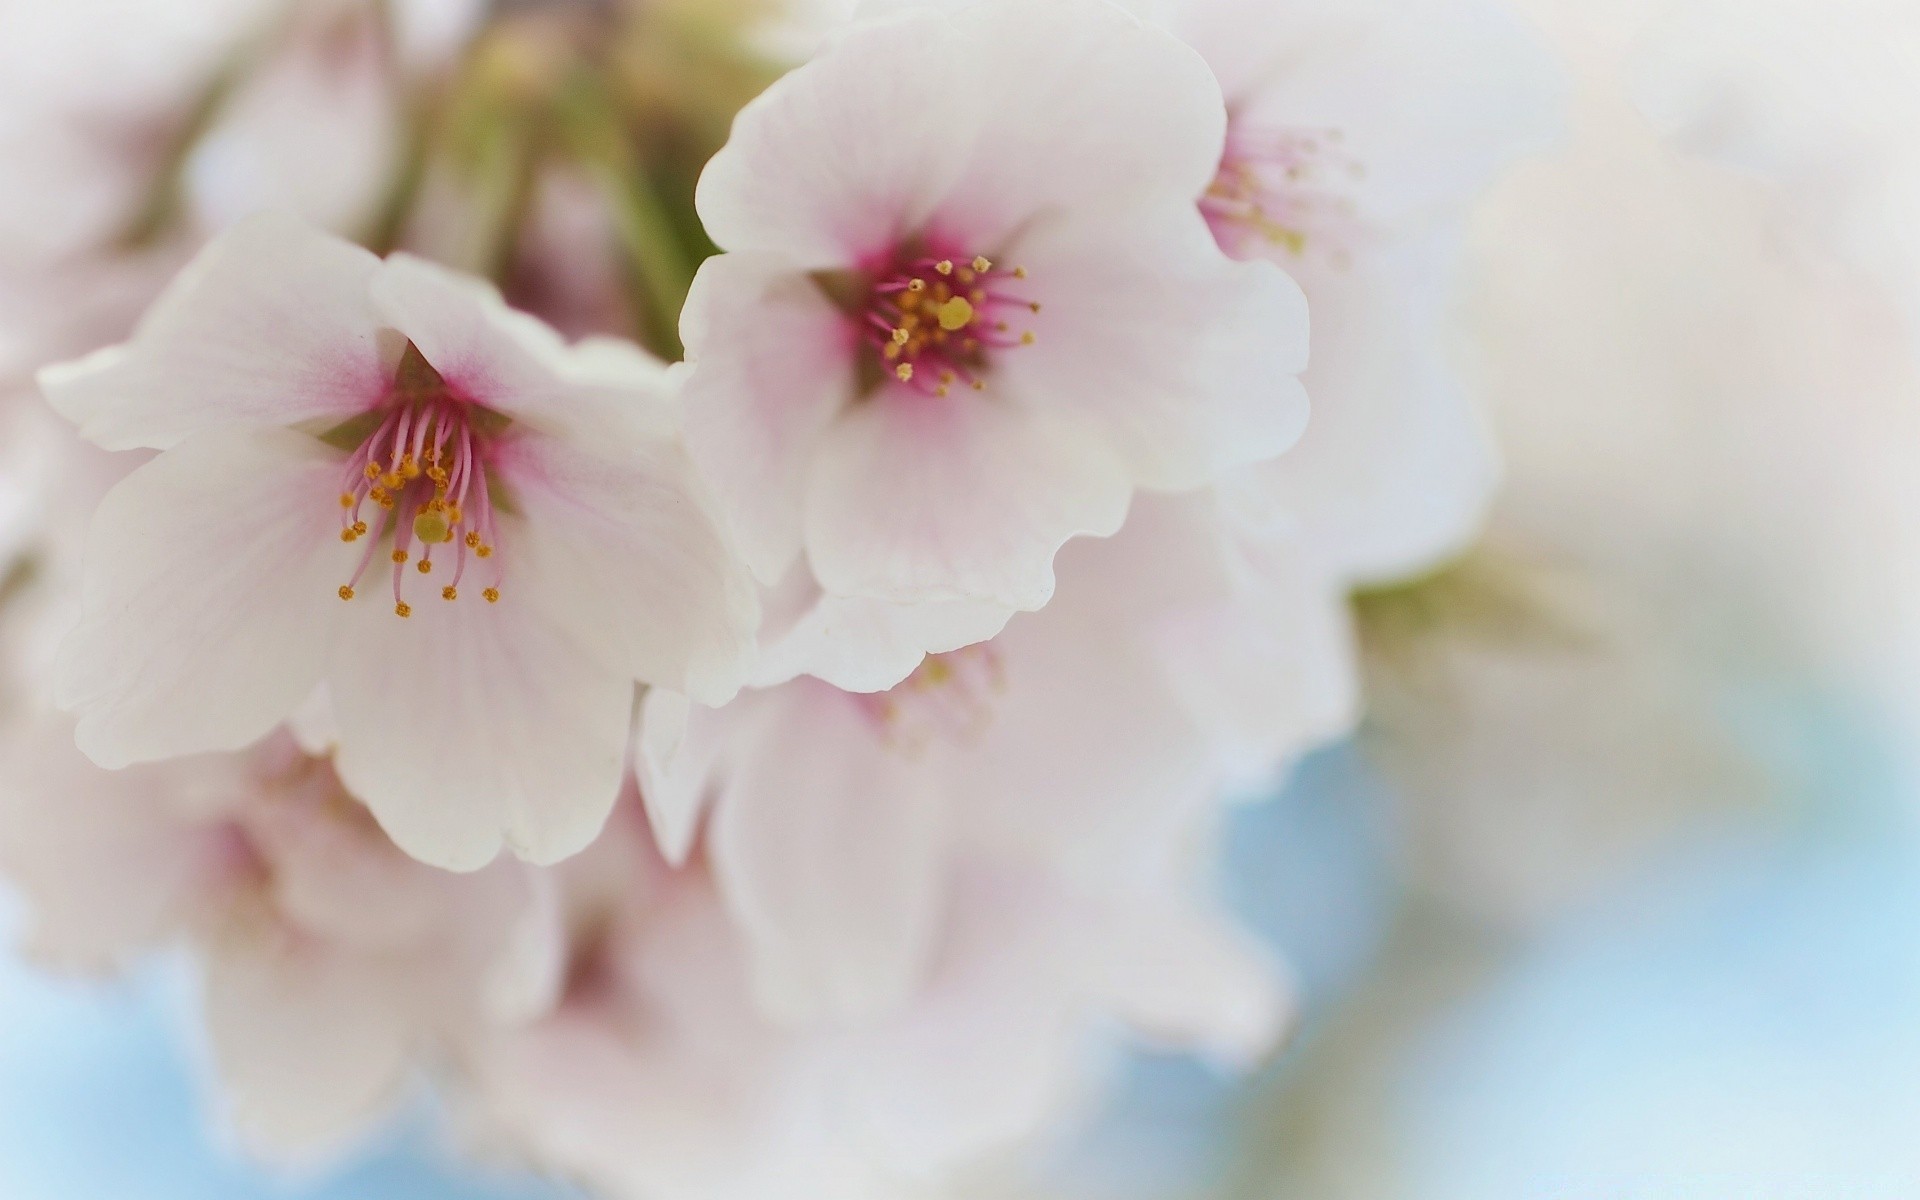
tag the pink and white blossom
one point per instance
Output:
(1358, 136)
(658, 1075)
(333, 967)
(1170, 662)
(375, 476)
(948, 335)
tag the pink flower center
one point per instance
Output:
(1282, 187)
(936, 322)
(423, 473)
(949, 696)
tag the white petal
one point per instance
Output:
(514, 363)
(627, 554)
(208, 604)
(1189, 361)
(1431, 97)
(310, 1043)
(1397, 468)
(914, 498)
(862, 645)
(677, 749)
(772, 362)
(269, 325)
(848, 153)
(828, 847)
(1082, 107)
(469, 725)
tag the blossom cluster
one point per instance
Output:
(768, 773)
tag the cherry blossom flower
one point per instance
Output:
(1169, 663)
(376, 476)
(1358, 135)
(332, 965)
(949, 335)
(657, 1075)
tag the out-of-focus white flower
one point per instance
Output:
(327, 419)
(657, 1075)
(838, 820)
(1357, 136)
(952, 333)
(333, 965)
(1822, 98)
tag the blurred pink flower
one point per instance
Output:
(1166, 662)
(333, 965)
(1358, 136)
(657, 1075)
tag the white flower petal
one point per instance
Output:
(914, 498)
(850, 152)
(471, 724)
(772, 362)
(1397, 467)
(858, 644)
(309, 1042)
(270, 325)
(828, 846)
(1082, 107)
(1188, 360)
(208, 605)
(1430, 97)
(627, 554)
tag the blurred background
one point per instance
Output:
(1617, 894)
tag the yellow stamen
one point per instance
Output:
(425, 567)
(492, 595)
(904, 372)
(346, 593)
(956, 314)
(403, 609)
(447, 593)
(399, 556)
(944, 266)
(982, 265)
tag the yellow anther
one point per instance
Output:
(473, 540)
(346, 593)
(403, 609)
(1035, 306)
(359, 529)
(917, 285)
(346, 500)
(409, 467)
(956, 314)
(982, 265)
(483, 551)
(447, 593)
(432, 527)
(979, 385)
(453, 518)
(373, 470)
(901, 336)
(378, 495)
(492, 595)
(391, 480)
(348, 535)
(891, 352)
(904, 372)
(966, 275)
(425, 566)
(1028, 338)
(399, 556)
(944, 266)
(1019, 272)
(942, 391)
